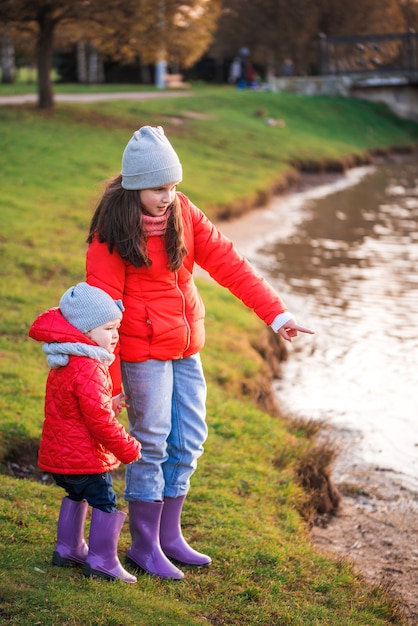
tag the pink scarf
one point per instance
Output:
(155, 226)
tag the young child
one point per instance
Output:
(82, 441)
(144, 240)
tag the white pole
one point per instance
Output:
(161, 65)
(160, 71)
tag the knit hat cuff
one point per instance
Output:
(156, 178)
(87, 307)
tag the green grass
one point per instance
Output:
(231, 157)
(245, 506)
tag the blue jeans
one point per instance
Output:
(167, 414)
(97, 489)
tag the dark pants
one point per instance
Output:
(97, 489)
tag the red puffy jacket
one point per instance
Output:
(80, 433)
(164, 313)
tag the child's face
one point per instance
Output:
(156, 200)
(106, 335)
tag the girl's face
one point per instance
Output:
(156, 200)
(106, 335)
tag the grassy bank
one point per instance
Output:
(245, 508)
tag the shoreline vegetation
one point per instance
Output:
(264, 478)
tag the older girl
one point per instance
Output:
(144, 240)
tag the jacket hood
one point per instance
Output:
(52, 326)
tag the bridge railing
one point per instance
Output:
(369, 53)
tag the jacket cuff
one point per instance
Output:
(280, 320)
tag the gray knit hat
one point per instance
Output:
(149, 160)
(87, 307)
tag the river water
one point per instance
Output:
(344, 256)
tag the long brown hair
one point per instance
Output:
(117, 221)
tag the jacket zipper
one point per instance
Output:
(184, 312)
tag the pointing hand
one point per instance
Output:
(290, 329)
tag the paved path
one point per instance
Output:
(94, 97)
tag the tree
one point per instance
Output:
(123, 28)
(271, 29)
(410, 11)
(175, 31)
(7, 55)
(369, 18)
(42, 16)
(275, 29)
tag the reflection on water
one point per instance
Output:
(350, 270)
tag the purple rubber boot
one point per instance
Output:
(102, 560)
(172, 541)
(145, 552)
(71, 549)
